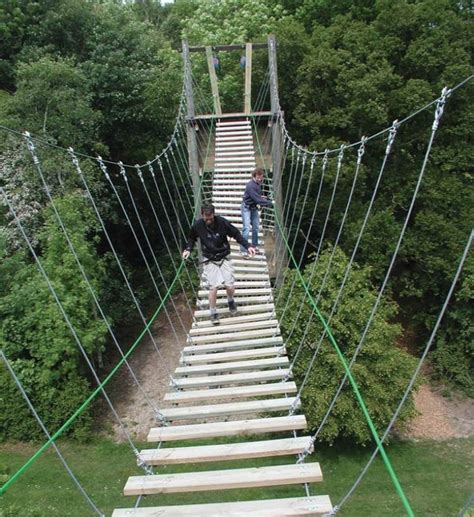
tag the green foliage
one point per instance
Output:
(33, 332)
(225, 22)
(382, 369)
(53, 98)
(129, 61)
(231, 21)
(454, 354)
(357, 67)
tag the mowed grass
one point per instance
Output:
(437, 478)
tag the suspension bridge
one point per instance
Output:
(234, 381)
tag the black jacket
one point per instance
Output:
(253, 195)
(214, 243)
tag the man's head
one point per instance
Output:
(207, 214)
(257, 175)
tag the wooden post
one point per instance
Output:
(191, 130)
(213, 77)
(248, 79)
(280, 251)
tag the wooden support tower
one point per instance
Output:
(248, 79)
(213, 77)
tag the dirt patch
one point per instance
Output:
(440, 418)
(135, 404)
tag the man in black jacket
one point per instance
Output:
(212, 231)
(251, 200)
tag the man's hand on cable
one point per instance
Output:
(251, 251)
(186, 254)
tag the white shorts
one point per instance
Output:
(218, 273)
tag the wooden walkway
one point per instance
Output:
(236, 375)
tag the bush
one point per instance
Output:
(382, 370)
(454, 355)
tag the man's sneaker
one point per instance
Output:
(244, 254)
(215, 319)
(232, 307)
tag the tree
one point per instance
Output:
(128, 60)
(360, 71)
(382, 369)
(33, 332)
(53, 99)
(238, 21)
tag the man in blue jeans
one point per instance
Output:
(249, 208)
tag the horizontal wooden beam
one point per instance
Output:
(233, 115)
(239, 46)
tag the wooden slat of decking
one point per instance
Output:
(254, 390)
(224, 479)
(226, 451)
(315, 506)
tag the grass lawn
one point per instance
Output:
(437, 478)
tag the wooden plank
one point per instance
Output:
(223, 479)
(250, 159)
(228, 125)
(229, 200)
(240, 292)
(208, 116)
(235, 153)
(248, 78)
(213, 79)
(256, 259)
(232, 320)
(232, 189)
(231, 378)
(254, 390)
(241, 301)
(232, 345)
(234, 143)
(232, 356)
(237, 182)
(235, 46)
(242, 264)
(316, 506)
(247, 427)
(238, 134)
(273, 362)
(229, 408)
(234, 132)
(226, 452)
(255, 285)
(245, 274)
(259, 306)
(227, 336)
(229, 327)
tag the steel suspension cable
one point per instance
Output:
(142, 253)
(438, 114)
(291, 203)
(354, 385)
(119, 263)
(46, 432)
(388, 149)
(150, 247)
(36, 161)
(323, 233)
(100, 384)
(283, 312)
(416, 372)
(165, 240)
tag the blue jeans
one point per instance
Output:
(250, 216)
